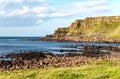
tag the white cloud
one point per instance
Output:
(44, 11)
(43, 15)
(59, 14)
(22, 11)
(2, 12)
(89, 6)
(31, 7)
(89, 3)
(11, 1)
(21, 1)
(53, 14)
(39, 9)
(42, 1)
(77, 8)
(100, 8)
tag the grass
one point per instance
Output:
(106, 30)
(115, 33)
(107, 69)
(103, 29)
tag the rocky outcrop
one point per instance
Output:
(76, 24)
(35, 60)
(61, 32)
(89, 29)
(91, 21)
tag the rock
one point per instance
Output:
(85, 30)
(63, 60)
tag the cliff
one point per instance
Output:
(91, 29)
(61, 32)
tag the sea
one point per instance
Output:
(17, 44)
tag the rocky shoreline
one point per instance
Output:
(32, 60)
(78, 39)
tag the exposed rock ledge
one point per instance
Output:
(94, 29)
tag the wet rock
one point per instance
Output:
(43, 60)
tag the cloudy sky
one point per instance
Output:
(41, 17)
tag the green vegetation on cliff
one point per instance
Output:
(93, 27)
(104, 29)
(116, 32)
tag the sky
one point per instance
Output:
(41, 17)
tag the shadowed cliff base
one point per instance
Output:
(91, 29)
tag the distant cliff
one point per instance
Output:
(91, 29)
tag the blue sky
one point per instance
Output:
(41, 17)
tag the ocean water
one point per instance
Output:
(16, 44)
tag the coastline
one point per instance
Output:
(91, 29)
(77, 39)
(36, 60)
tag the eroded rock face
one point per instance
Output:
(90, 21)
(88, 29)
(61, 32)
(76, 24)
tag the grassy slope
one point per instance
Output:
(106, 30)
(115, 33)
(97, 70)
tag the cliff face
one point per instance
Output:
(76, 24)
(103, 27)
(91, 21)
(98, 20)
(60, 32)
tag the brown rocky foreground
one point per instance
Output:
(31, 60)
